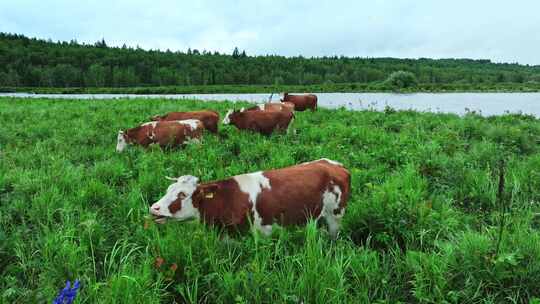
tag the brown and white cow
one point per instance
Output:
(164, 133)
(264, 122)
(209, 118)
(286, 196)
(277, 106)
(301, 102)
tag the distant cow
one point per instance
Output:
(264, 122)
(164, 133)
(287, 196)
(209, 118)
(301, 102)
(278, 106)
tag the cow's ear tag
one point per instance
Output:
(209, 195)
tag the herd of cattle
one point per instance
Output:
(286, 196)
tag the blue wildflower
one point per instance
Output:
(67, 295)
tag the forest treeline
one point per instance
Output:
(31, 62)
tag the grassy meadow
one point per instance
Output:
(429, 220)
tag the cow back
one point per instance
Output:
(302, 102)
(175, 133)
(208, 118)
(264, 122)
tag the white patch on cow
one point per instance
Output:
(331, 199)
(153, 123)
(121, 143)
(192, 123)
(261, 106)
(266, 229)
(253, 184)
(152, 135)
(332, 162)
(227, 119)
(184, 185)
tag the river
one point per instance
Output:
(486, 104)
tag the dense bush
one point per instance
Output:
(401, 80)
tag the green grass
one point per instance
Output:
(422, 224)
(315, 88)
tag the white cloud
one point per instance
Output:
(498, 30)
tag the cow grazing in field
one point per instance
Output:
(264, 122)
(164, 133)
(287, 196)
(209, 118)
(281, 106)
(301, 102)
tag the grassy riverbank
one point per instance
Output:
(322, 88)
(423, 223)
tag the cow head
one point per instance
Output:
(231, 114)
(182, 200)
(122, 141)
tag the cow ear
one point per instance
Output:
(196, 197)
(208, 191)
(203, 192)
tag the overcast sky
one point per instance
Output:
(504, 31)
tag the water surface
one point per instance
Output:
(458, 103)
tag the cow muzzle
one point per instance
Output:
(157, 217)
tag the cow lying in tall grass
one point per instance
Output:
(286, 196)
(163, 133)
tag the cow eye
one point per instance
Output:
(181, 196)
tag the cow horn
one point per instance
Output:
(172, 178)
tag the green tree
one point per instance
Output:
(401, 80)
(236, 53)
(101, 43)
(124, 77)
(66, 75)
(95, 77)
(35, 62)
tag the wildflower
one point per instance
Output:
(158, 262)
(67, 295)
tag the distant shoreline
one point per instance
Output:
(322, 88)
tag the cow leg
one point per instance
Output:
(331, 210)
(289, 127)
(265, 229)
(213, 128)
(194, 140)
(334, 223)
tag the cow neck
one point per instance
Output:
(213, 209)
(235, 118)
(128, 135)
